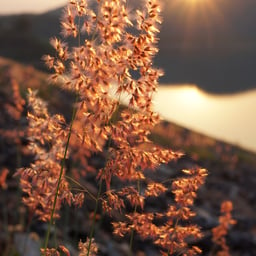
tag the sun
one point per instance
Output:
(196, 15)
(194, 1)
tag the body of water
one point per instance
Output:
(231, 118)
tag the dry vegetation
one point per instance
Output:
(97, 165)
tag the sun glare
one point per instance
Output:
(191, 95)
(196, 15)
(194, 1)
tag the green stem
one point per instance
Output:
(59, 179)
(94, 217)
(133, 231)
(131, 238)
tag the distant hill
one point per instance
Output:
(25, 37)
(215, 48)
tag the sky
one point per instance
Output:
(29, 6)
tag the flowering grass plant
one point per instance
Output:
(114, 52)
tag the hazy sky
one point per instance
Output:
(31, 6)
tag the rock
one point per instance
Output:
(27, 244)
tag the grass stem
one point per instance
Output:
(132, 232)
(94, 217)
(59, 179)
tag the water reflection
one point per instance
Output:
(231, 118)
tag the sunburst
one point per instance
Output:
(197, 15)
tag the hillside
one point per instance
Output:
(232, 172)
(213, 46)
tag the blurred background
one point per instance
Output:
(207, 51)
(207, 100)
